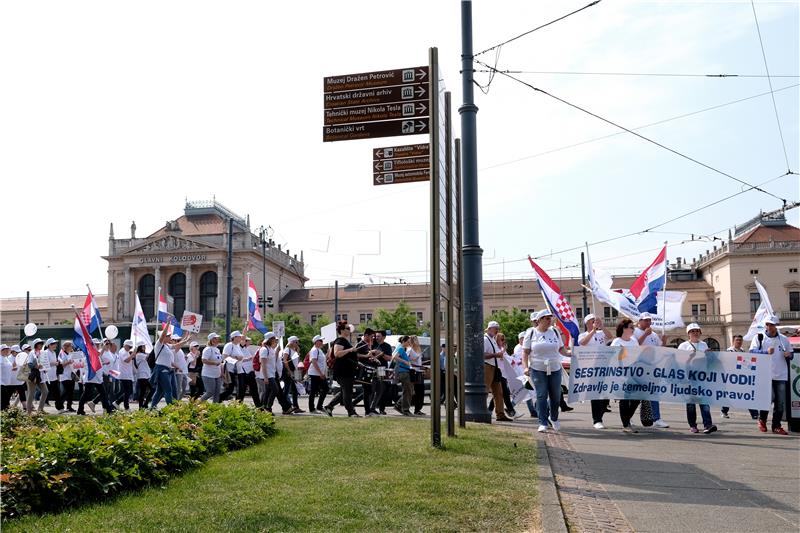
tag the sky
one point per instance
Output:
(113, 112)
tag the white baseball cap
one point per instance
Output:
(16, 348)
(36, 341)
(693, 325)
(26, 347)
(4, 347)
(588, 317)
(543, 313)
(493, 324)
(269, 335)
(534, 316)
(645, 316)
(96, 341)
(193, 344)
(212, 336)
(774, 320)
(64, 343)
(317, 338)
(127, 342)
(521, 335)
(292, 339)
(235, 334)
(50, 341)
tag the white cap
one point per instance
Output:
(4, 347)
(193, 344)
(292, 339)
(65, 342)
(140, 343)
(269, 335)
(774, 320)
(16, 348)
(175, 337)
(588, 317)
(693, 325)
(127, 342)
(212, 336)
(96, 341)
(26, 347)
(235, 334)
(493, 324)
(534, 316)
(317, 338)
(50, 341)
(645, 316)
(36, 341)
(543, 313)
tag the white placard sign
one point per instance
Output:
(328, 332)
(191, 322)
(279, 328)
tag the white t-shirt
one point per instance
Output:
(6, 378)
(247, 362)
(234, 351)
(699, 346)
(516, 359)
(781, 345)
(21, 358)
(64, 357)
(544, 347)
(630, 343)
(125, 369)
(48, 360)
(598, 339)
(108, 359)
(318, 355)
(180, 361)
(268, 361)
(98, 375)
(414, 357)
(490, 347)
(652, 340)
(163, 356)
(141, 368)
(211, 353)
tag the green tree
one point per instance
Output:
(401, 321)
(511, 324)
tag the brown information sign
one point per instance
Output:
(408, 150)
(371, 113)
(407, 176)
(408, 163)
(369, 130)
(382, 95)
(383, 78)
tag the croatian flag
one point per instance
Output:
(253, 312)
(168, 321)
(91, 314)
(649, 282)
(559, 305)
(83, 341)
(139, 330)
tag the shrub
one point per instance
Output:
(49, 463)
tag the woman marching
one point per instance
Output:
(595, 335)
(270, 364)
(211, 373)
(625, 338)
(318, 372)
(65, 378)
(36, 360)
(697, 347)
(344, 370)
(415, 356)
(143, 373)
(541, 359)
(290, 358)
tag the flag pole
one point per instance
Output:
(247, 320)
(591, 273)
(664, 297)
(99, 322)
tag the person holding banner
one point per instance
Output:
(647, 337)
(695, 345)
(233, 363)
(36, 360)
(625, 338)
(778, 347)
(595, 335)
(517, 361)
(738, 340)
(541, 359)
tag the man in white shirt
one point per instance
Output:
(779, 349)
(232, 352)
(595, 335)
(647, 337)
(247, 376)
(695, 345)
(491, 370)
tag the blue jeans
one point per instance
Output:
(531, 408)
(656, 410)
(778, 404)
(547, 386)
(163, 380)
(705, 413)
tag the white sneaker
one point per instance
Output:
(556, 425)
(542, 429)
(599, 425)
(660, 424)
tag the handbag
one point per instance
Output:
(646, 413)
(23, 372)
(59, 369)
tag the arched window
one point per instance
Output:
(208, 295)
(177, 289)
(147, 295)
(677, 342)
(713, 344)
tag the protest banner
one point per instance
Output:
(191, 322)
(516, 386)
(741, 380)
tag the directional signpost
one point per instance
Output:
(385, 103)
(401, 164)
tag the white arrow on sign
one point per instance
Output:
(421, 74)
(421, 108)
(420, 91)
(420, 126)
(379, 179)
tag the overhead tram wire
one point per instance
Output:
(653, 74)
(536, 28)
(574, 145)
(636, 134)
(769, 80)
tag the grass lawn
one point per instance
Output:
(322, 474)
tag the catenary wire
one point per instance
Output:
(654, 74)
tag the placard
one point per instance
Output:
(279, 328)
(191, 322)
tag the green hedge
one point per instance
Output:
(49, 463)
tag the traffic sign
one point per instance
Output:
(368, 130)
(383, 78)
(407, 176)
(370, 113)
(382, 95)
(408, 150)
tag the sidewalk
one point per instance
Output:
(735, 480)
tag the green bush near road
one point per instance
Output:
(53, 463)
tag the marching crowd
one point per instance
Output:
(544, 358)
(389, 376)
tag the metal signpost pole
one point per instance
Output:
(436, 421)
(458, 348)
(229, 308)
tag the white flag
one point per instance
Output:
(671, 316)
(139, 328)
(763, 312)
(600, 285)
(516, 386)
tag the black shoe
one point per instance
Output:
(70, 410)
(397, 408)
(406, 413)
(354, 415)
(383, 412)
(297, 410)
(710, 429)
(328, 411)
(566, 408)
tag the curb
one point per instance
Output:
(550, 506)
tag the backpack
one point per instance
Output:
(257, 361)
(306, 363)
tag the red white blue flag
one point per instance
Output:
(91, 314)
(649, 282)
(559, 305)
(253, 312)
(83, 341)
